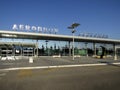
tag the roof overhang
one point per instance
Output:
(41, 36)
(9, 44)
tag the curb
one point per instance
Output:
(59, 66)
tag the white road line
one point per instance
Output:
(58, 66)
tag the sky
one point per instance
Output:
(94, 16)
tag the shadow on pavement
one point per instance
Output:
(109, 63)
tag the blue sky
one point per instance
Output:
(95, 16)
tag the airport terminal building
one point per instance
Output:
(15, 48)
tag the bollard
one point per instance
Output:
(30, 59)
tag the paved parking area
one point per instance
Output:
(51, 61)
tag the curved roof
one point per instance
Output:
(41, 36)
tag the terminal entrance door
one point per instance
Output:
(6, 51)
(16, 49)
(28, 51)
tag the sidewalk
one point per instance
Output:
(50, 61)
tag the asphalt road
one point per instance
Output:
(75, 78)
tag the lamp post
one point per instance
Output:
(72, 27)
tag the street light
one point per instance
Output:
(72, 27)
(46, 43)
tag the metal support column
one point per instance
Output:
(37, 48)
(69, 49)
(13, 48)
(94, 47)
(73, 47)
(115, 49)
(34, 50)
(86, 49)
(21, 50)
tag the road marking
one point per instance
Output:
(58, 66)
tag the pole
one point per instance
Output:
(86, 49)
(69, 49)
(74, 25)
(37, 47)
(115, 55)
(73, 47)
(94, 46)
